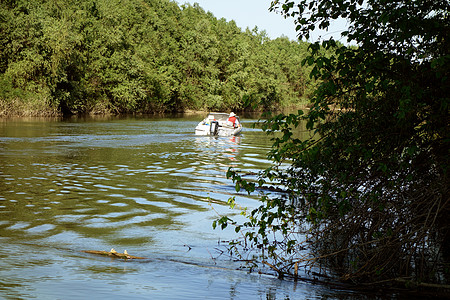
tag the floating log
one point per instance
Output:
(114, 253)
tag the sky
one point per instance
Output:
(251, 13)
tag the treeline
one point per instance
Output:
(140, 56)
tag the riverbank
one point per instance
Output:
(17, 108)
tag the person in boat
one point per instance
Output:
(232, 118)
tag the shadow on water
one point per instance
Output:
(143, 184)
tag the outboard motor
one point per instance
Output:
(214, 128)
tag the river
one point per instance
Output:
(141, 184)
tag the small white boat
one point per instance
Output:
(218, 124)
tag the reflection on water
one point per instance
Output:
(145, 185)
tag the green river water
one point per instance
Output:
(145, 185)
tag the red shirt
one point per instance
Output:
(232, 120)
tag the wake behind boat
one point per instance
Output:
(219, 124)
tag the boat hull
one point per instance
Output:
(203, 129)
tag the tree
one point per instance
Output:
(137, 56)
(370, 189)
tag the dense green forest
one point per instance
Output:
(140, 56)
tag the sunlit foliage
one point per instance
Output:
(370, 189)
(141, 56)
